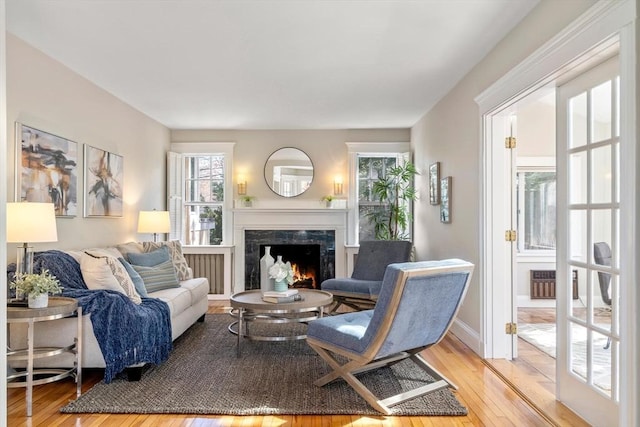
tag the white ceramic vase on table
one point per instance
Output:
(266, 283)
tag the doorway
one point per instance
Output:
(587, 174)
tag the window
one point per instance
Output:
(198, 185)
(536, 198)
(203, 199)
(370, 168)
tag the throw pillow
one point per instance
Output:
(129, 247)
(135, 278)
(119, 273)
(175, 250)
(97, 274)
(150, 259)
(158, 277)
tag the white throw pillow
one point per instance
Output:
(107, 265)
(97, 274)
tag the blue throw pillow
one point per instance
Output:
(135, 278)
(149, 259)
(158, 277)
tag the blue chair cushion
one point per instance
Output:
(346, 331)
(366, 288)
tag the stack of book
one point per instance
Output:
(290, 295)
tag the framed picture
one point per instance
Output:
(103, 182)
(434, 183)
(445, 202)
(46, 169)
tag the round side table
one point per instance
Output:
(59, 307)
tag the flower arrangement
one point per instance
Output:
(281, 271)
(36, 284)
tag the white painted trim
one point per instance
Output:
(630, 223)
(600, 23)
(591, 28)
(3, 207)
(467, 335)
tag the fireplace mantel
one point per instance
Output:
(287, 219)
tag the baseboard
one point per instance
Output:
(468, 336)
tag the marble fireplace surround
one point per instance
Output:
(287, 219)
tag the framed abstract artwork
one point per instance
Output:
(46, 169)
(445, 200)
(434, 183)
(103, 183)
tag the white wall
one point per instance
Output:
(47, 95)
(450, 133)
(326, 148)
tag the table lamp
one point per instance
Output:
(154, 222)
(29, 222)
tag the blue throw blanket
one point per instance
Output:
(127, 333)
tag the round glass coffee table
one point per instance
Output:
(248, 307)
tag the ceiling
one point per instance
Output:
(270, 64)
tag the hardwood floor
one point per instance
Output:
(490, 401)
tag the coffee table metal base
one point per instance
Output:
(248, 307)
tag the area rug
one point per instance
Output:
(543, 336)
(203, 375)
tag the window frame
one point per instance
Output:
(176, 190)
(368, 149)
(531, 164)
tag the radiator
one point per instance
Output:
(543, 284)
(210, 266)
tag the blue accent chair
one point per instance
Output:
(416, 306)
(360, 291)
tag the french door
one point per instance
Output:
(588, 147)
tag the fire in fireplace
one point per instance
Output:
(312, 252)
(304, 259)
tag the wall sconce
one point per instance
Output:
(337, 186)
(242, 186)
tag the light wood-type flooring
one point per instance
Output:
(490, 400)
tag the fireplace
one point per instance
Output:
(310, 252)
(287, 222)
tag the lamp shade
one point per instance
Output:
(154, 222)
(31, 222)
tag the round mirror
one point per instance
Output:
(288, 172)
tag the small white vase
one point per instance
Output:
(38, 300)
(266, 283)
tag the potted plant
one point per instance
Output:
(247, 201)
(328, 199)
(36, 287)
(394, 192)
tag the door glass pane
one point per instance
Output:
(616, 150)
(580, 297)
(577, 235)
(601, 226)
(601, 365)
(602, 287)
(578, 350)
(601, 175)
(578, 178)
(601, 112)
(578, 120)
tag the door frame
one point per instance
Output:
(606, 22)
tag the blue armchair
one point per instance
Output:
(417, 304)
(360, 291)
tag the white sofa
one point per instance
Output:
(187, 304)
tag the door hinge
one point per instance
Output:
(510, 235)
(510, 142)
(510, 328)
